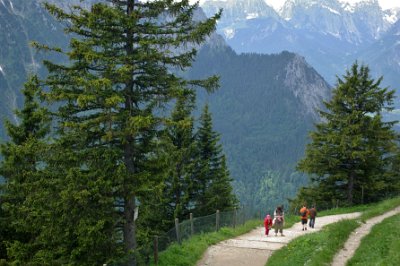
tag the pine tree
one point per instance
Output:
(21, 167)
(110, 99)
(220, 194)
(178, 191)
(352, 147)
(211, 180)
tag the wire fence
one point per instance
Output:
(198, 225)
(185, 229)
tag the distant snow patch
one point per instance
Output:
(252, 15)
(2, 71)
(1, 1)
(229, 33)
(391, 18)
(332, 10)
(335, 34)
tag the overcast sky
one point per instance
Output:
(385, 4)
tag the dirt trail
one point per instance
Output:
(254, 248)
(355, 237)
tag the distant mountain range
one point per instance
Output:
(263, 110)
(330, 34)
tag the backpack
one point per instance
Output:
(304, 212)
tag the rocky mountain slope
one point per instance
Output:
(21, 22)
(330, 34)
(263, 110)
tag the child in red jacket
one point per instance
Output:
(267, 224)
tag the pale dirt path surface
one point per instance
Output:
(254, 248)
(351, 245)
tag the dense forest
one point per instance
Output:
(262, 119)
(96, 141)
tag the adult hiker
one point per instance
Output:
(303, 216)
(267, 224)
(279, 219)
(313, 214)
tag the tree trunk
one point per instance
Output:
(130, 229)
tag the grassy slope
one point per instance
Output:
(192, 249)
(381, 246)
(319, 248)
(312, 249)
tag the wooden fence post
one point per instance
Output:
(217, 221)
(156, 250)
(191, 224)
(234, 218)
(177, 230)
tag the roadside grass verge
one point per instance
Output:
(368, 210)
(191, 250)
(315, 248)
(381, 246)
(290, 220)
(380, 208)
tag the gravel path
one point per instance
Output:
(254, 248)
(354, 240)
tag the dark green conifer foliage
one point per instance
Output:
(220, 194)
(180, 135)
(351, 149)
(211, 178)
(109, 117)
(21, 167)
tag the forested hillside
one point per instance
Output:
(107, 132)
(263, 110)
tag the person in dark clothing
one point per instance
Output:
(313, 214)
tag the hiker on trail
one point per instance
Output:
(279, 219)
(304, 212)
(267, 224)
(313, 214)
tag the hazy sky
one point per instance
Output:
(385, 4)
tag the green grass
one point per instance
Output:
(191, 250)
(368, 210)
(319, 248)
(380, 208)
(381, 246)
(290, 220)
(316, 248)
(312, 249)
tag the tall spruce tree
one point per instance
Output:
(351, 149)
(109, 116)
(21, 167)
(213, 189)
(178, 185)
